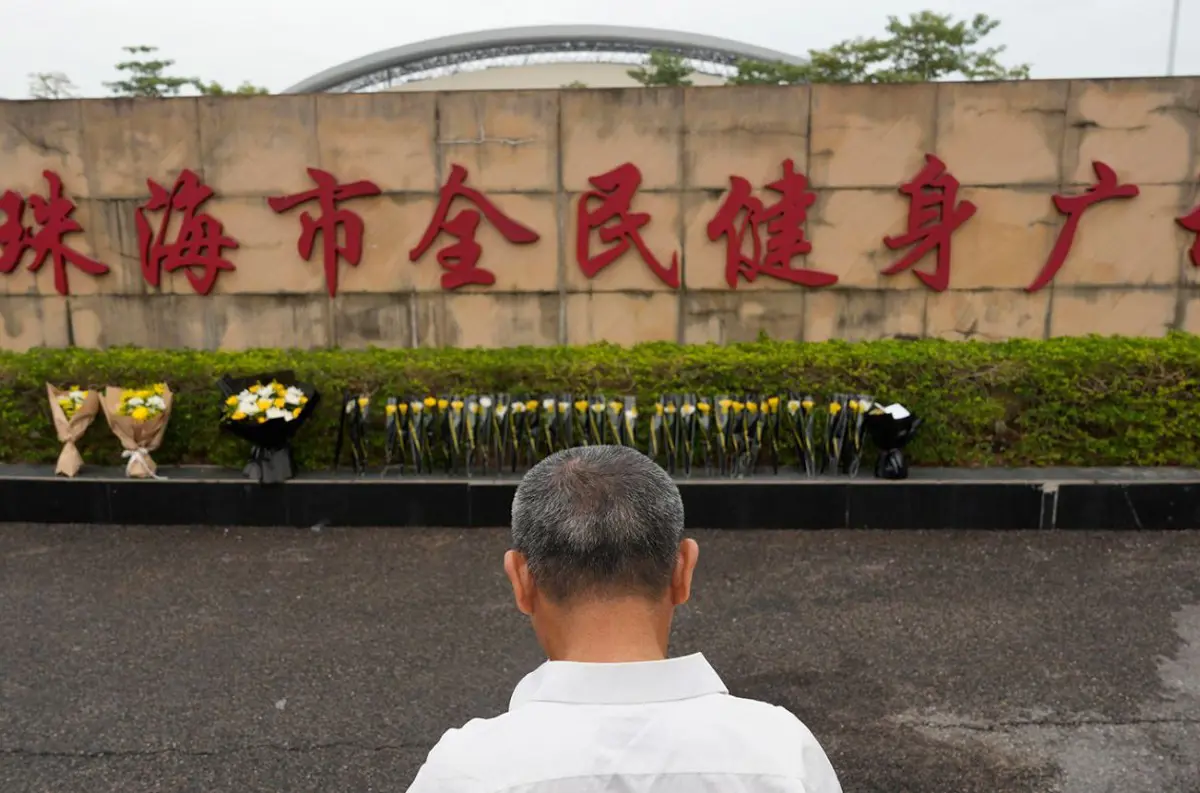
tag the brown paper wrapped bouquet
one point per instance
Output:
(73, 410)
(138, 417)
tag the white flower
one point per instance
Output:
(548, 404)
(293, 395)
(896, 411)
(562, 406)
(76, 396)
(597, 407)
(631, 413)
(277, 413)
(689, 410)
(485, 402)
(416, 406)
(266, 392)
(518, 407)
(793, 405)
(135, 402)
(501, 410)
(156, 402)
(245, 396)
(249, 407)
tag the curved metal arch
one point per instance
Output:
(467, 47)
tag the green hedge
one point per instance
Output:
(1090, 401)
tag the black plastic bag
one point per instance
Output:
(890, 435)
(271, 460)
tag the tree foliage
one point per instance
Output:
(51, 85)
(142, 74)
(927, 47)
(663, 68)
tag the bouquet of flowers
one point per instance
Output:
(267, 410)
(354, 419)
(891, 428)
(138, 417)
(73, 411)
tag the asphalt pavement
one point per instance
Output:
(245, 660)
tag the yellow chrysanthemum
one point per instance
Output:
(233, 400)
(752, 407)
(853, 404)
(773, 401)
(281, 402)
(430, 401)
(658, 408)
(443, 404)
(725, 404)
(140, 414)
(390, 410)
(457, 404)
(532, 404)
(263, 404)
(362, 402)
(834, 408)
(703, 407)
(296, 412)
(402, 407)
(581, 405)
(238, 415)
(160, 388)
(807, 404)
(261, 419)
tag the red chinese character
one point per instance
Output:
(1191, 222)
(1073, 207)
(199, 241)
(615, 191)
(934, 214)
(460, 260)
(52, 216)
(784, 221)
(330, 222)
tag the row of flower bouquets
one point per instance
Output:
(722, 435)
(728, 435)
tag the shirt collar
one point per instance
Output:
(618, 684)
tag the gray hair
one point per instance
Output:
(603, 520)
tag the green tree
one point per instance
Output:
(216, 89)
(146, 76)
(927, 47)
(51, 85)
(663, 68)
(575, 84)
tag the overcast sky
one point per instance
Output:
(280, 42)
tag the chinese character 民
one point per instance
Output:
(53, 221)
(460, 260)
(331, 221)
(784, 229)
(198, 243)
(615, 191)
(1073, 207)
(934, 214)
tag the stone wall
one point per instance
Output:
(1011, 146)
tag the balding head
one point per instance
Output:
(598, 520)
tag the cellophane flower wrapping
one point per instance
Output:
(891, 428)
(138, 417)
(73, 410)
(253, 415)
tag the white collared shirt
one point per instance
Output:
(663, 726)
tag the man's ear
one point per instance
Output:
(517, 570)
(681, 577)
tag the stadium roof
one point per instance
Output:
(387, 66)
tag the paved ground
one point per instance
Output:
(136, 660)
